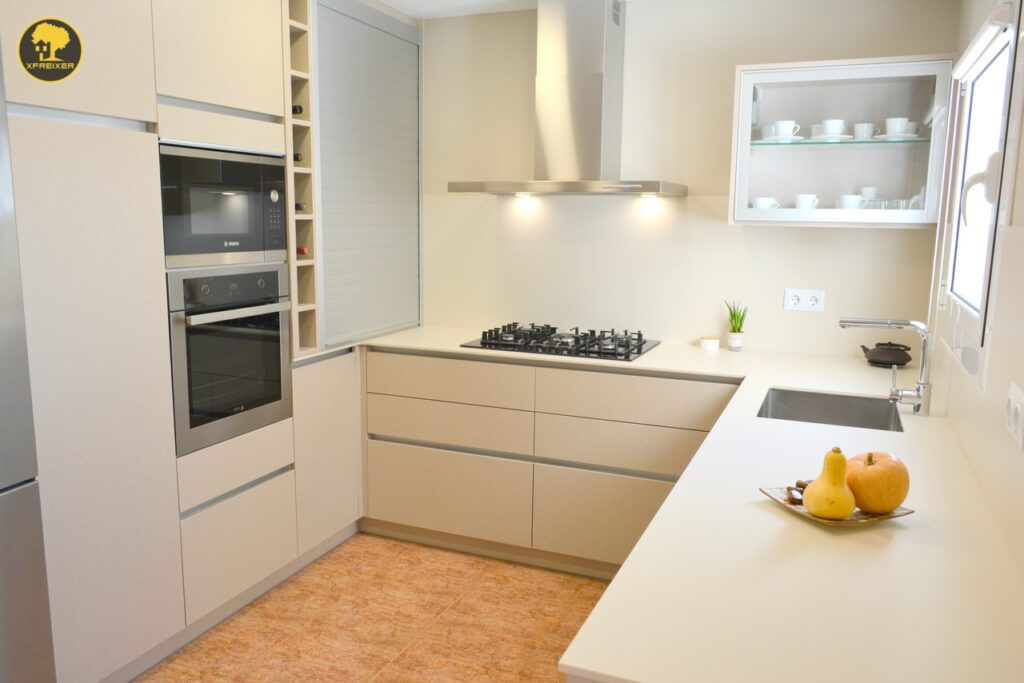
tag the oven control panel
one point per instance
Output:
(221, 291)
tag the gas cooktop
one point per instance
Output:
(533, 338)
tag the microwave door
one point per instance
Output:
(212, 207)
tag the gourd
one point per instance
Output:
(879, 482)
(828, 496)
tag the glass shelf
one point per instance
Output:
(804, 143)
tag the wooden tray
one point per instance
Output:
(858, 518)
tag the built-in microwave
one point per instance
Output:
(221, 208)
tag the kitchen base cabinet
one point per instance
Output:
(470, 495)
(234, 544)
(662, 401)
(663, 451)
(453, 424)
(595, 515)
(328, 447)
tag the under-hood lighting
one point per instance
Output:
(531, 187)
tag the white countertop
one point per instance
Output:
(725, 585)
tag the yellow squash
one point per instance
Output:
(828, 496)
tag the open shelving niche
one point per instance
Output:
(301, 178)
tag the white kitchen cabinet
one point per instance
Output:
(223, 467)
(595, 515)
(451, 424)
(661, 401)
(770, 169)
(661, 451)
(115, 73)
(328, 447)
(223, 52)
(500, 385)
(458, 493)
(236, 543)
(87, 200)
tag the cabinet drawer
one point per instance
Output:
(644, 448)
(215, 470)
(446, 379)
(455, 424)
(687, 404)
(236, 543)
(470, 495)
(592, 514)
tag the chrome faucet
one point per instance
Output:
(920, 397)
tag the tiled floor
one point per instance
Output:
(384, 610)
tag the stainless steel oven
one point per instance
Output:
(230, 351)
(221, 207)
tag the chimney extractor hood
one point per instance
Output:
(578, 95)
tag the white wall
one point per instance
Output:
(663, 265)
(976, 414)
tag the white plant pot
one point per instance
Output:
(735, 341)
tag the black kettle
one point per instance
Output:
(887, 354)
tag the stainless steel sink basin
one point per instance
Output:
(831, 409)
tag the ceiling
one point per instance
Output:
(432, 9)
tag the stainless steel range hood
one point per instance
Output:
(578, 95)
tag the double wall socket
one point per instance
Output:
(1015, 413)
(805, 300)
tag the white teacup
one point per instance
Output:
(765, 203)
(911, 128)
(786, 129)
(869, 193)
(851, 201)
(865, 131)
(817, 130)
(832, 127)
(896, 125)
(767, 131)
(807, 201)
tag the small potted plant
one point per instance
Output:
(737, 316)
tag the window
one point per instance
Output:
(984, 75)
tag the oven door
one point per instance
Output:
(231, 372)
(217, 209)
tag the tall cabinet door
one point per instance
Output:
(328, 447)
(89, 220)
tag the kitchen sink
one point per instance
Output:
(831, 409)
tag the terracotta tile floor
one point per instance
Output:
(385, 610)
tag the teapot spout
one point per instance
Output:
(865, 349)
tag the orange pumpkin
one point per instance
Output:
(879, 482)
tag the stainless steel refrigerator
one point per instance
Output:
(26, 641)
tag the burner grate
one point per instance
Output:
(533, 338)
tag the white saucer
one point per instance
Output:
(782, 138)
(831, 138)
(898, 136)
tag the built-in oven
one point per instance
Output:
(230, 351)
(221, 207)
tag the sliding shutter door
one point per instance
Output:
(368, 76)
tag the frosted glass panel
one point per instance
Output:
(369, 165)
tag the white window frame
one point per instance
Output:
(964, 329)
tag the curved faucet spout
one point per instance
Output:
(919, 397)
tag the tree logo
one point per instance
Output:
(50, 50)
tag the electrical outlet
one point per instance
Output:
(1015, 413)
(805, 300)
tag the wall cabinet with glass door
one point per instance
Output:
(840, 143)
